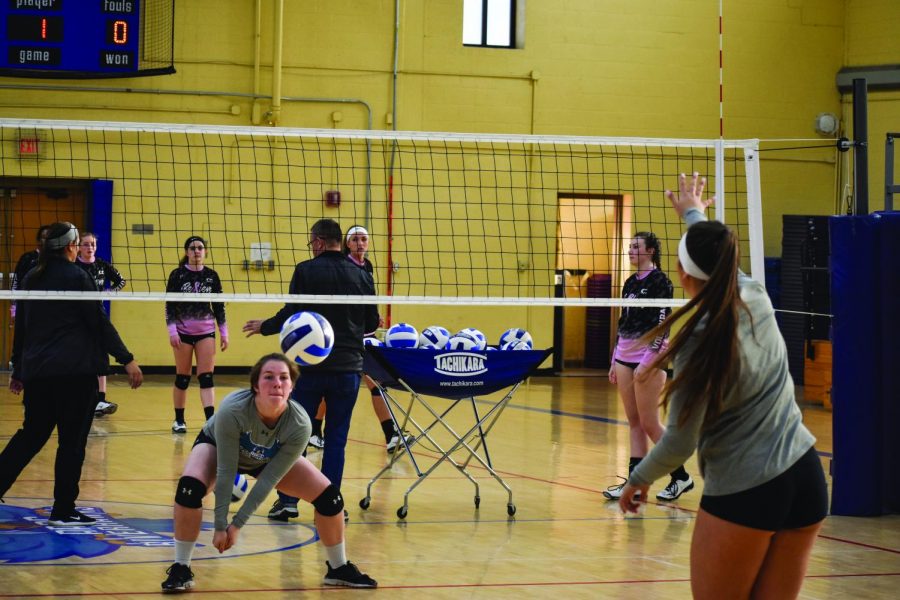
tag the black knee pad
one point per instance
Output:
(206, 380)
(190, 492)
(329, 502)
(182, 381)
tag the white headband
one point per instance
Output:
(61, 241)
(687, 263)
(356, 229)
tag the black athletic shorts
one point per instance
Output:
(202, 438)
(634, 365)
(193, 339)
(796, 498)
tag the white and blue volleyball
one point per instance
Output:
(401, 335)
(516, 335)
(239, 488)
(372, 341)
(462, 342)
(435, 337)
(480, 339)
(515, 345)
(307, 338)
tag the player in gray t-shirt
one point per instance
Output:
(261, 433)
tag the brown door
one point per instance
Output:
(24, 207)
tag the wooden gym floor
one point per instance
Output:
(559, 442)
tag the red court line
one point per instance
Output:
(862, 545)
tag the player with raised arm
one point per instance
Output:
(732, 400)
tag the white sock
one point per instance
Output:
(336, 555)
(184, 551)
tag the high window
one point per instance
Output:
(489, 23)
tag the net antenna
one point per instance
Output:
(469, 218)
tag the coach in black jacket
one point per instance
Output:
(336, 379)
(59, 348)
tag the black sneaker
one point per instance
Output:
(348, 575)
(72, 519)
(282, 512)
(180, 579)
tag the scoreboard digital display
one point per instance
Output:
(60, 38)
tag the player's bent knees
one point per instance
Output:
(190, 492)
(206, 381)
(330, 502)
(182, 381)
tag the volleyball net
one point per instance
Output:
(453, 218)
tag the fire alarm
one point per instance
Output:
(332, 198)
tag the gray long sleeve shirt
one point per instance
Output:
(759, 433)
(244, 442)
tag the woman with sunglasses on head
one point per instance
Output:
(732, 399)
(192, 328)
(632, 370)
(59, 346)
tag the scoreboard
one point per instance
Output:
(70, 38)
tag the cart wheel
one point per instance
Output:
(510, 509)
(364, 503)
(477, 501)
(401, 512)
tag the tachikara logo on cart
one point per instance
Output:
(460, 364)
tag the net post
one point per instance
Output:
(860, 148)
(754, 214)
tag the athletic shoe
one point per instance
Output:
(73, 519)
(179, 427)
(675, 489)
(282, 512)
(180, 579)
(614, 492)
(395, 443)
(316, 441)
(346, 516)
(105, 408)
(348, 575)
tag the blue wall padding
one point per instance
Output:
(890, 357)
(864, 268)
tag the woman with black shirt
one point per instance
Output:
(192, 328)
(59, 346)
(640, 384)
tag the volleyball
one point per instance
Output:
(434, 337)
(307, 338)
(462, 342)
(480, 340)
(372, 341)
(516, 334)
(401, 335)
(515, 345)
(239, 488)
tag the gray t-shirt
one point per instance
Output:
(760, 433)
(244, 442)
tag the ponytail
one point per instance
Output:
(714, 363)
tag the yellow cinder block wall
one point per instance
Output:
(587, 67)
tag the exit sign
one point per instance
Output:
(29, 147)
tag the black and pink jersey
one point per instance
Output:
(638, 320)
(102, 273)
(195, 318)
